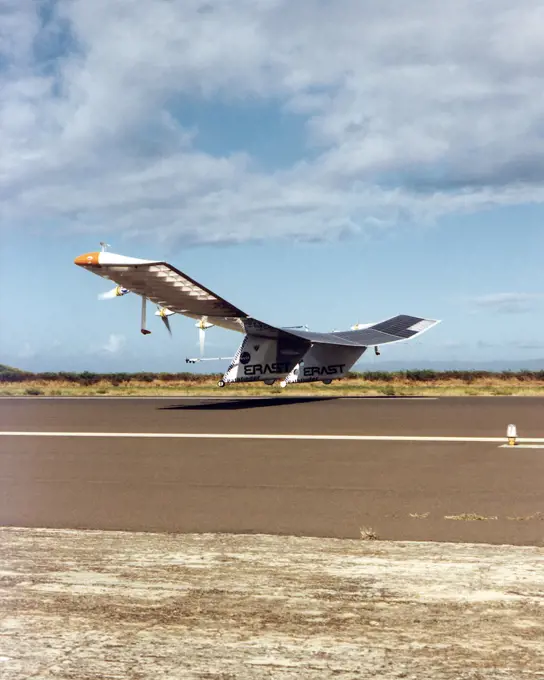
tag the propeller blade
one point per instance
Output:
(109, 295)
(164, 313)
(202, 337)
(166, 322)
(118, 291)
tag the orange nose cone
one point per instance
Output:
(87, 260)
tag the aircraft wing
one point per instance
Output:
(402, 327)
(168, 287)
(165, 285)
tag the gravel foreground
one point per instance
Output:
(92, 604)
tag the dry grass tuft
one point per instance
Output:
(368, 534)
(469, 517)
(528, 518)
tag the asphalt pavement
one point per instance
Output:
(455, 491)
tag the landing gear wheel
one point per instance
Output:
(327, 382)
(269, 382)
(221, 383)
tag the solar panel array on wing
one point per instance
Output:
(401, 326)
(370, 336)
(325, 338)
(168, 287)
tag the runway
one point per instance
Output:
(470, 491)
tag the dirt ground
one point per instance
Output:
(89, 604)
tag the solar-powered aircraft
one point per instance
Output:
(267, 353)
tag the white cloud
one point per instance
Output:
(508, 303)
(414, 110)
(528, 344)
(27, 351)
(114, 344)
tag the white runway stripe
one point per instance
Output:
(311, 437)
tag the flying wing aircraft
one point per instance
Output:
(267, 353)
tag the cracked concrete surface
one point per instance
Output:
(91, 604)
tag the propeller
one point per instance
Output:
(361, 326)
(166, 322)
(118, 291)
(164, 313)
(202, 326)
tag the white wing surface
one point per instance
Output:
(164, 285)
(395, 329)
(170, 288)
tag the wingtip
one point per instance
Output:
(87, 259)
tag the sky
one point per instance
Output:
(320, 162)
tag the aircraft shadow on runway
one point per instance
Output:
(237, 404)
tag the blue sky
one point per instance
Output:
(313, 165)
